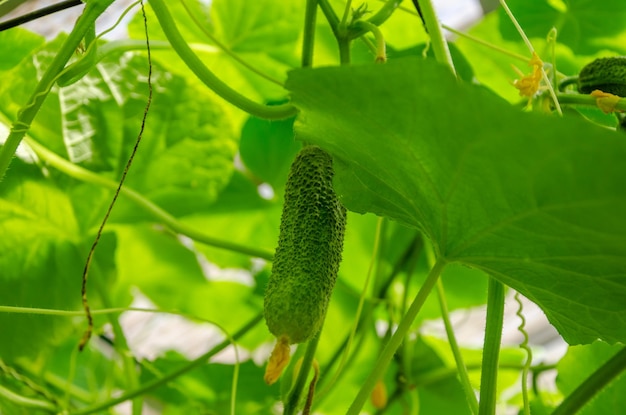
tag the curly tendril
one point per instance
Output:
(529, 355)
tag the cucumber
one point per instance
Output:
(605, 74)
(309, 250)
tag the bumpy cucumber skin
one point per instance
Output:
(309, 249)
(605, 74)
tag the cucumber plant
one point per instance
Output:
(461, 186)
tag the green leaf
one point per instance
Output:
(40, 261)
(578, 364)
(15, 45)
(186, 157)
(169, 274)
(268, 148)
(439, 389)
(581, 24)
(534, 201)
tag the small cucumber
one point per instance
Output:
(605, 74)
(309, 249)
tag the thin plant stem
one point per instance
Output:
(27, 113)
(456, 351)
(308, 40)
(384, 12)
(343, 25)
(397, 338)
(270, 112)
(293, 399)
(454, 346)
(491, 348)
(587, 100)
(486, 44)
(331, 17)
(155, 211)
(595, 383)
(517, 26)
(437, 40)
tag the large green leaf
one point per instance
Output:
(40, 262)
(185, 158)
(268, 148)
(535, 201)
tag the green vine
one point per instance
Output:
(308, 40)
(270, 112)
(437, 40)
(456, 351)
(155, 211)
(25, 402)
(225, 49)
(293, 399)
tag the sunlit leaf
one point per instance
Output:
(40, 263)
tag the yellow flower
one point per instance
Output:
(528, 85)
(605, 101)
(278, 360)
